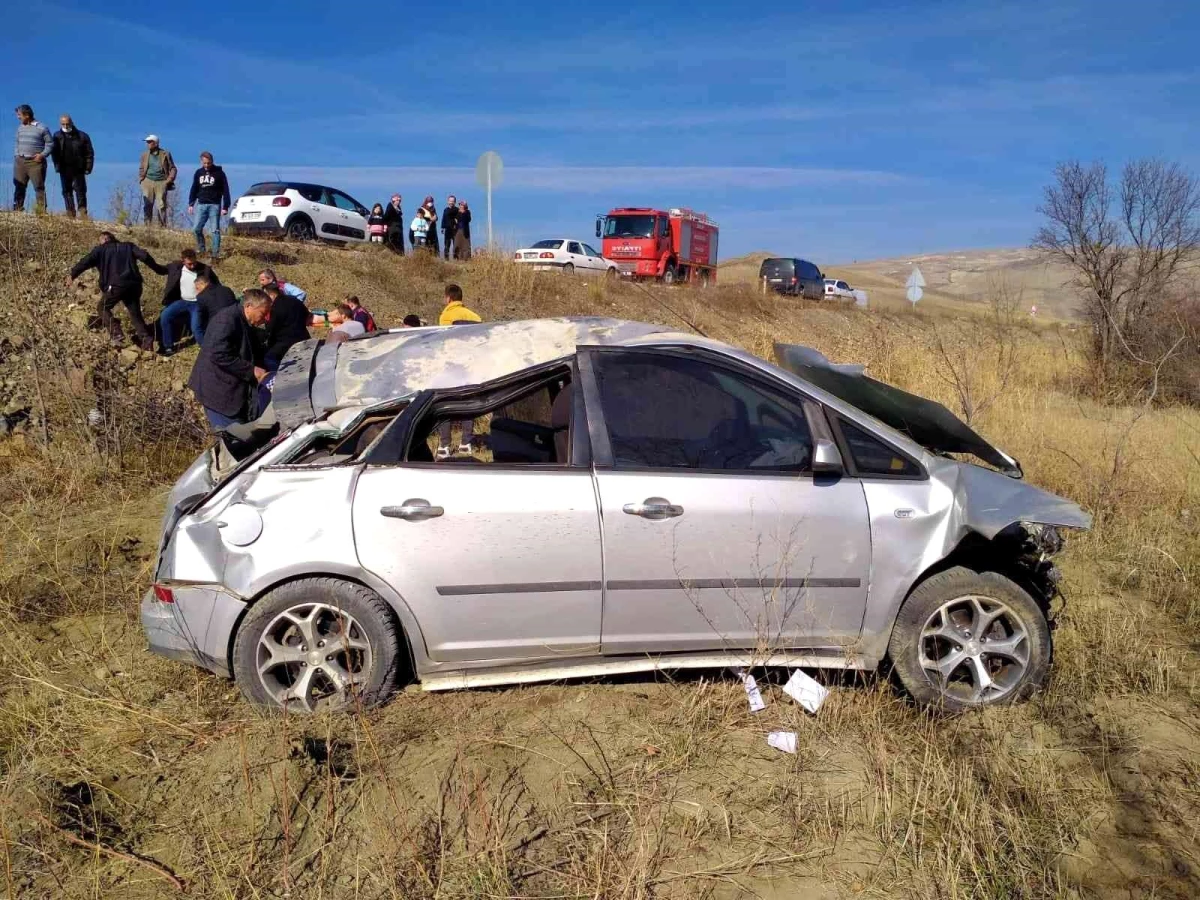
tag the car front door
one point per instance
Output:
(716, 532)
(496, 561)
(328, 217)
(594, 260)
(352, 224)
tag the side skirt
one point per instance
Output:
(601, 666)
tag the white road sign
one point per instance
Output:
(915, 282)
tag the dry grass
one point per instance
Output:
(119, 770)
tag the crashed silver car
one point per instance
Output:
(632, 499)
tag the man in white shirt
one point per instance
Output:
(179, 300)
(342, 324)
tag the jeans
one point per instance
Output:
(74, 189)
(176, 311)
(219, 421)
(204, 211)
(25, 171)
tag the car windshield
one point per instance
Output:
(546, 245)
(629, 226)
(266, 189)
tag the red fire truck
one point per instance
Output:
(670, 246)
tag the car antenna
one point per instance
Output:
(688, 322)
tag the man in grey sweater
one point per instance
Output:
(33, 146)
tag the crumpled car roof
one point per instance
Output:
(401, 363)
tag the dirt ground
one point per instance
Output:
(126, 775)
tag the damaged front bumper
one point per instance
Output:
(197, 626)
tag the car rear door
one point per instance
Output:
(575, 255)
(716, 532)
(496, 561)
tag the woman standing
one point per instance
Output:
(462, 237)
(429, 212)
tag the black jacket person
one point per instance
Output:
(120, 282)
(226, 376)
(289, 325)
(73, 159)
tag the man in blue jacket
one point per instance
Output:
(208, 199)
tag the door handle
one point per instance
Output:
(654, 508)
(412, 511)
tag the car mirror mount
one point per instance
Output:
(827, 459)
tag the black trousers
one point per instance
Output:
(448, 241)
(131, 296)
(74, 191)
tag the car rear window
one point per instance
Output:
(546, 245)
(777, 268)
(266, 189)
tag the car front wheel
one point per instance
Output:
(967, 639)
(318, 644)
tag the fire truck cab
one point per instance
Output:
(676, 245)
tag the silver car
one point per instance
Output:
(632, 499)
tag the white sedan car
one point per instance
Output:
(565, 255)
(838, 290)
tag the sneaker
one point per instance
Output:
(464, 449)
(443, 452)
(166, 351)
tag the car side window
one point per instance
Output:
(590, 251)
(341, 201)
(309, 193)
(843, 285)
(573, 247)
(872, 456)
(666, 412)
(665, 229)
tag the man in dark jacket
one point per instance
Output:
(393, 218)
(449, 226)
(212, 297)
(120, 282)
(209, 199)
(289, 323)
(225, 378)
(179, 299)
(73, 160)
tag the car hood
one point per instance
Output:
(926, 422)
(987, 502)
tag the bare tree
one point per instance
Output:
(1126, 243)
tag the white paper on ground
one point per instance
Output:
(783, 740)
(753, 694)
(804, 690)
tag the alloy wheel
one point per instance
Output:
(314, 656)
(975, 648)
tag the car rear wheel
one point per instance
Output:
(967, 639)
(568, 269)
(318, 644)
(669, 276)
(300, 228)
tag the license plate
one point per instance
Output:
(531, 256)
(776, 281)
(251, 215)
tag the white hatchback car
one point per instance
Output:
(565, 255)
(838, 290)
(303, 212)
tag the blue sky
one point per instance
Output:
(834, 131)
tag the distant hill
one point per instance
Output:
(961, 279)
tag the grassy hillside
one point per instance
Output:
(124, 775)
(962, 282)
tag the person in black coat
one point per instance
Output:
(73, 160)
(289, 325)
(449, 226)
(120, 282)
(212, 297)
(226, 375)
(393, 218)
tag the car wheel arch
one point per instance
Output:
(410, 629)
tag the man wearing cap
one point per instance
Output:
(156, 175)
(34, 145)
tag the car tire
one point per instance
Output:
(568, 269)
(300, 228)
(945, 663)
(284, 624)
(669, 275)
(611, 273)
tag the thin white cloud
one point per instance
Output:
(580, 179)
